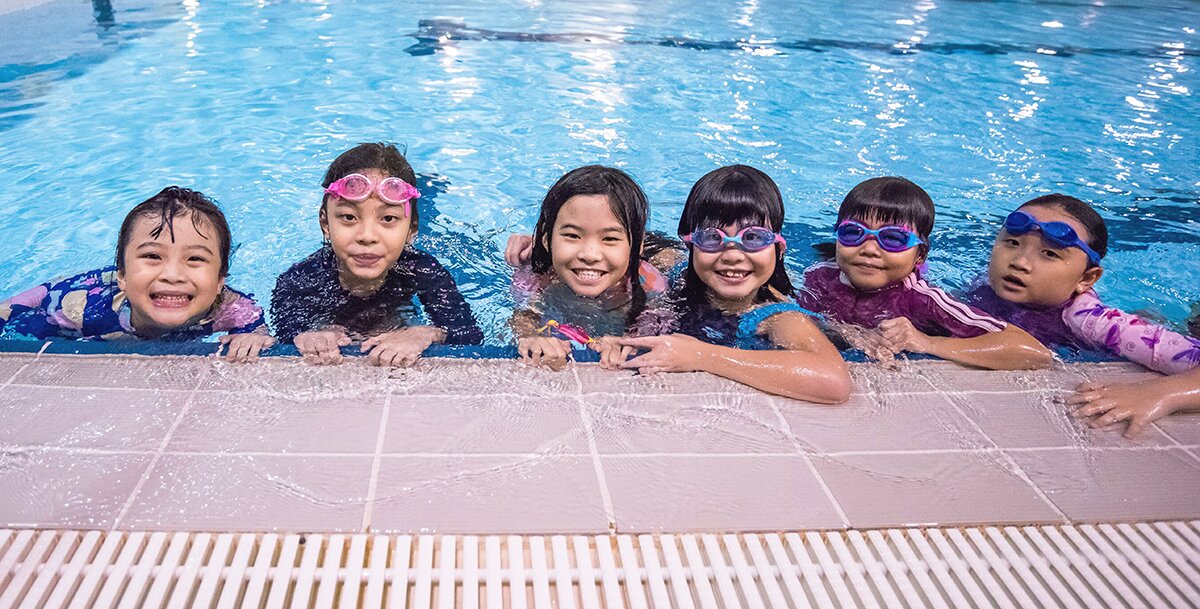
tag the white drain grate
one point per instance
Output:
(1121, 565)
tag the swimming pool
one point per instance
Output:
(985, 104)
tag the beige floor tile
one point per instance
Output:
(881, 422)
(125, 419)
(485, 424)
(691, 493)
(703, 423)
(63, 489)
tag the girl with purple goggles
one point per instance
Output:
(893, 239)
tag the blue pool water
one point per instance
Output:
(985, 104)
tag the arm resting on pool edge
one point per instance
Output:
(805, 367)
(1009, 349)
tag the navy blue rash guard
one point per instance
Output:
(310, 297)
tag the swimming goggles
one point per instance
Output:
(567, 331)
(893, 239)
(1058, 234)
(357, 187)
(749, 239)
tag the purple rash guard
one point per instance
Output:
(932, 311)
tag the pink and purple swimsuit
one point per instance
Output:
(931, 310)
(1083, 322)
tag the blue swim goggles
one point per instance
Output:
(893, 239)
(749, 239)
(1058, 234)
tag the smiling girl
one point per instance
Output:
(588, 279)
(168, 284)
(732, 316)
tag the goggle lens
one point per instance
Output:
(393, 190)
(356, 187)
(757, 239)
(709, 239)
(893, 239)
(851, 234)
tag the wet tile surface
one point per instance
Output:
(252, 493)
(87, 418)
(705, 423)
(478, 424)
(11, 363)
(494, 447)
(54, 489)
(223, 421)
(950, 488)
(1039, 419)
(690, 493)
(884, 422)
(1108, 485)
(516, 494)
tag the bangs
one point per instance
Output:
(736, 195)
(889, 200)
(884, 212)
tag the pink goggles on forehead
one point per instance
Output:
(357, 187)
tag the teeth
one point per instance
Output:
(733, 274)
(588, 274)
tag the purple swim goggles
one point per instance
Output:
(1058, 234)
(895, 239)
(357, 187)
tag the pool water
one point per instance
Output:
(984, 104)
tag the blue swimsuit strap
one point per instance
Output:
(749, 322)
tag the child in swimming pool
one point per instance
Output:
(883, 228)
(1044, 265)
(168, 284)
(360, 285)
(586, 271)
(732, 316)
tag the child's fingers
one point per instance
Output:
(640, 342)
(1136, 424)
(1083, 397)
(1112, 416)
(1089, 386)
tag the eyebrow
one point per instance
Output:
(610, 229)
(156, 245)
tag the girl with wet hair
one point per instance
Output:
(168, 283)
(733, 316)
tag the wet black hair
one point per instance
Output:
(1080, 210)
(736, 195)
(382, 156)
(890, 200)
(626, 201)
(170, 203)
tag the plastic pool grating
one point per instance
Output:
(1126, 565)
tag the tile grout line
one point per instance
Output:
(601, 478)
(787, 428)
(162, 447)
(373, 484)
(638, 455)
(1176, 442)
(1012, 463)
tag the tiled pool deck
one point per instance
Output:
(477, 446)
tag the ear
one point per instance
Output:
(412, 236)
(922, 254)
(121, 280)
(1089, 279)
(323, 218)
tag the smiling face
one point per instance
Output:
(367, 236)
(589, 248)
(733, 276)
(1027, 270)
(170, 284)
(870, 267)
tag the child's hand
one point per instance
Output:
(519, 250)
(612, 354)
(900, 335)
(670, 353)
(321, 346)
(401, 348)
(552, 353)
(245, 347)
(1139, 403)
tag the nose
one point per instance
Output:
(1020, 261)
(589, 251)
(870, 248)
(173, 271)
(368, 233)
